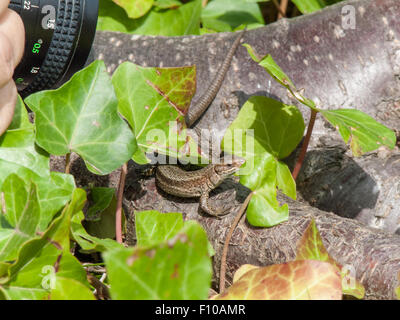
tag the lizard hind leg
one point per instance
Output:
(212, 211)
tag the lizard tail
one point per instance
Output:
(206, 99)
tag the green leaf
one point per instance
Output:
(183, 20)
(32, 274)
(20, 217)
(167, 4)
(100, 218)
(264, 132)
(154, 101)
(20, 155)
(20, 293)
(53, 194)
(100, 199)
(17, 148)
(135, 8)
(226, 15)
(177, 269)
(82, 117)
(360, 130)
(364, 133)
(277, 73)
(70, 289)
(20, 119)
(87, 242)
(153, 227)
(284, 180)
(71, 268)
(308, 6)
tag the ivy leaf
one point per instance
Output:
(296, 280)
(167, 4)
(364, 133)
(179, 21)
(181, 268)
(135, 8)
(277, 73)
(226, 15)
(70, 289)
(311, 247)
(153, 227)
(71, 268)
(82, 117)
(87, 242)
(100, 218)
(32, 273)
(20, 119)
(264, 132)
(100, 199)
(155, 101)
(18, 150)
(20, 155)
(360, 130)
(309, 6)
(20, 218)
(21, 293)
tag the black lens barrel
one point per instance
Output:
(59, 36)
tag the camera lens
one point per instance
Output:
(59, 37)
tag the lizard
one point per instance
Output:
(199, 183)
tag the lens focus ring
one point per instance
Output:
(59, 36)
(15, 5)
(60, 47)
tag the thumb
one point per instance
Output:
(8, 97)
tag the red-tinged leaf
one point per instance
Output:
(155, 101)
(311, 247)
(296, 280)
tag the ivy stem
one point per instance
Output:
(281, 13)
(239, 215)
(68, 163)
(120, 195)
(305, 144)
(283, 7)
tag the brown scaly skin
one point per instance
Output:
(199, 183)
(175, 181)
(196, 110)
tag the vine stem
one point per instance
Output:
(304, 147)
(235, 222)
(68, 163)
(283, 7)
(278, 7)
(120, 195)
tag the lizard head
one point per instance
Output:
(228, 167)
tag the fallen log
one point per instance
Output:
(357, 68)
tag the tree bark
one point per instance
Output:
(339, 68)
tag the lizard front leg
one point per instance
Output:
(206, 207)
